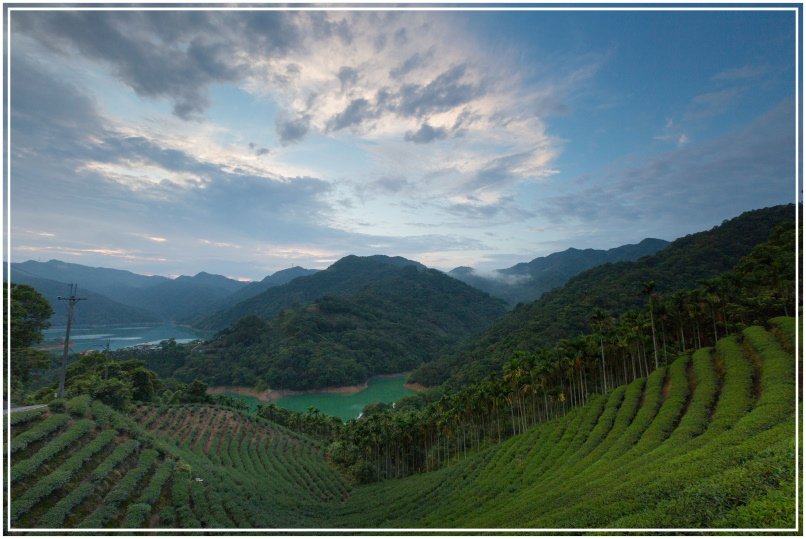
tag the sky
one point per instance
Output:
(243, 142)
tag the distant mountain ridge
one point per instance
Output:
(122, 297)
(527, 281)
(275, 279)
(98, 310)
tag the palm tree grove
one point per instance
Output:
(281, 270)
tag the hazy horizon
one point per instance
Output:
(244, 142)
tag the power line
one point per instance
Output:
(71, 301)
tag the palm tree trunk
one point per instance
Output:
(652, 323)
(604, 378)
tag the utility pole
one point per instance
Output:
(106, 361)
(71, 301)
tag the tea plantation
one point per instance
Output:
(705, 442)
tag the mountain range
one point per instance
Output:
(213, 302)
(122, 297)
(528, 281)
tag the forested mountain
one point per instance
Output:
(98, 310)
(389, 317)
(347, 275)
(253, 289)
(528, 281)
(185, 297)
(614, 288)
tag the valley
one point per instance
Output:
(673, 409)
(343, 402)
(706, 442)
(401, 269)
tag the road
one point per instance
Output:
(21, 408)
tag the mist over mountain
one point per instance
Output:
(615, 288)
(528, 281)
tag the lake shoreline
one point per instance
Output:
(272, 395)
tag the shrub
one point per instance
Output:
(120, 492)
(20, 418)
(59, 477)
(58, 513)
(28, 466)
(56, 405)
(79, 406)
(152, 491)
(111, 461)
(38, 431)
(136, 515)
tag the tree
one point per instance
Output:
(599, 320)
(30, 312)
(649, 291)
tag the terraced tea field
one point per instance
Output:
(188, 467)
(707, 442)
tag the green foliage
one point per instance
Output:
(29, 316)
(79, 405)
(116, 382)
(38, 431)
(120, 453)
(338, 327)
(29, 312)
(57, 406)
(25, 468)
(55, 516)
(705, 442)
(113, 392)
(59, 477)
(120, 492)
(785, 327)
(136, 515)
(151, 493)
(25, 416)
(180, 494)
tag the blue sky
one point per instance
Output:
(245, 142)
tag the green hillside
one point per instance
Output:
(399, 318)
(614, 288)
(707, 442)
(346, 276)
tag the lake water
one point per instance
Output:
(118, 337)
(387, 389)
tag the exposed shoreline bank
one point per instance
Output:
(271, 395)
